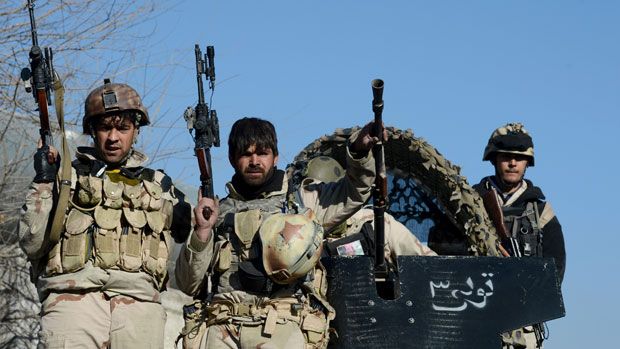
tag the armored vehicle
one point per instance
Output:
(463, 298)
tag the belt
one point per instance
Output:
(221, 311)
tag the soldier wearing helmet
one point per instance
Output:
(531, 225)
(356, 235)
(261, 252)
(100, 283)
(114, 107)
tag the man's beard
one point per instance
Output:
(257, 181)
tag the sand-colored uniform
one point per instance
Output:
(100, 284)
(242, 316)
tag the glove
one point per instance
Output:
(45, 172)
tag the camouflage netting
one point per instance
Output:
(426, 191)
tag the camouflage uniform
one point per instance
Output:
(527, 217)
(285, 316)
(100, 283)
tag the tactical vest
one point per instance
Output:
(523, 224)
(117, 220)
(237, 232)
(237, 266)
(237, 263)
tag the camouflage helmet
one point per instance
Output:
(324, 168)
(291, 245)
(511, 138)
(110, 98)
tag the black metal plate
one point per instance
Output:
(445, 302)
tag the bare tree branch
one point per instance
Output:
(91, 39)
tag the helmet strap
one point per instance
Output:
(135, 136)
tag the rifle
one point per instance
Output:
(494, 209)
(380, 188)
(204, 122)
(39, 79)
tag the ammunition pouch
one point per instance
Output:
(246, 224)
(120, 224)
(223, 257)
(194, 315)
(312, 313)
(314, 323)
(77, 246)
(523, 226)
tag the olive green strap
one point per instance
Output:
(65, 165)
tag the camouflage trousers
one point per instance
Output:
(238, 326)
(94, 320)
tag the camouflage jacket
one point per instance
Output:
(332, 204)
(123, 238)
(553, 238)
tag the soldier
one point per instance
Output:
(356, 235)
(100, 283)
(530, 223)
(266, 288)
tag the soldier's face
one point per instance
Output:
(510, 168)
(255, 165)
(114, 137)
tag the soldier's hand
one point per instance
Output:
(205, 213)
(366, 140)
(52, 153)
(46, 161)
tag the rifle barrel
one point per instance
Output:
(380, 189)
(40, 66)
(199, 72)
(377, 106)
(33, 23)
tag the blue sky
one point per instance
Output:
(453, 71)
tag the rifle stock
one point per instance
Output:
(494, 210)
